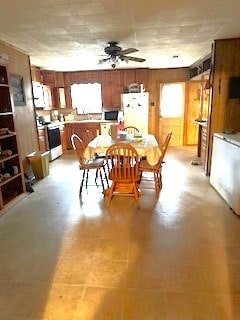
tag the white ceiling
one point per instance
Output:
(71, 34)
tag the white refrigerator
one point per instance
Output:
(135, 110)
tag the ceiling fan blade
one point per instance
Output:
(129, 50)
(134, 59)
(101, 61)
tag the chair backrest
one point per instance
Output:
(123, 162)
(78, 147)
(131, 130)
(89, 136)
(165, 145)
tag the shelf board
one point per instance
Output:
(9, 113)
(8, 135)
(10, 179)
(4, 85)
(6, 158)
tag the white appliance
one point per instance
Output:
(135, 109)
(225, 168)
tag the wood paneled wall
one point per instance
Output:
(192, 111)
(224, 113)
(24, 116)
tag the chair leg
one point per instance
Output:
(105, 174)
(87, 178)
(81, 185)
(96, 176)
(100, 172)
(136, 193)
(110, 194)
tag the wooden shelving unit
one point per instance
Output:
(13, 186)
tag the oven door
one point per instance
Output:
(54, 142)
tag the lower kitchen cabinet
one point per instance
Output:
(63, 137)
(42, 141)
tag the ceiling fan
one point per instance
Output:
(117, 54)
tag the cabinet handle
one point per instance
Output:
(219, 86)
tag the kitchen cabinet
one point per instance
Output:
(141, 76)
(63, 137)
(48, 77)
(112, 77)
(78, 77)
(92, 76)
(12, 184)
(111, 96)
(42, 140)
(60, 98)
(129, 77)
(36, 74)
(59, 80)
(49, 99)
(225, 168)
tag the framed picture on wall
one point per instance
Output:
(17, 86)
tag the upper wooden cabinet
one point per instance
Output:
(93, 76)
(129, 77)
(52, 78)
(36, 74)
(141, 76)
(59, 80)
(77, 77)
(112, 77)
(111, 96)
(48, 77)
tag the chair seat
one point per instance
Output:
(92, 163)
(145, 166)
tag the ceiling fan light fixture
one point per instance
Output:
(116, 54)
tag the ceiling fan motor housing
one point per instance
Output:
(113, 49)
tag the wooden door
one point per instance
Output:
(171, 112)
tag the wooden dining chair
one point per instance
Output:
(131, 130)
(144, 166)
(123, 163)
(86, 165)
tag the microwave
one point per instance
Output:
(111, 115)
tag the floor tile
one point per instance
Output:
(19, 300)
(107, 273)
(188, 306)
(101, 304)
(145, 304)
(59, 302)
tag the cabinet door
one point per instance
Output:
(48, 95)
(68, 134)
(78, 77)
(59, 96)
(128, 77)
(63, 137)
(92, 76)
(141, 76)
(42, 139)
(48, 77)
(111, 96)
(59, 81)
(36, 74)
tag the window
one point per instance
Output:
(87, 98)
(172, 100)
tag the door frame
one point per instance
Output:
(157, 120)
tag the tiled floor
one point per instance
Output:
(177, 258)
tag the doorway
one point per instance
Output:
(171, 111)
